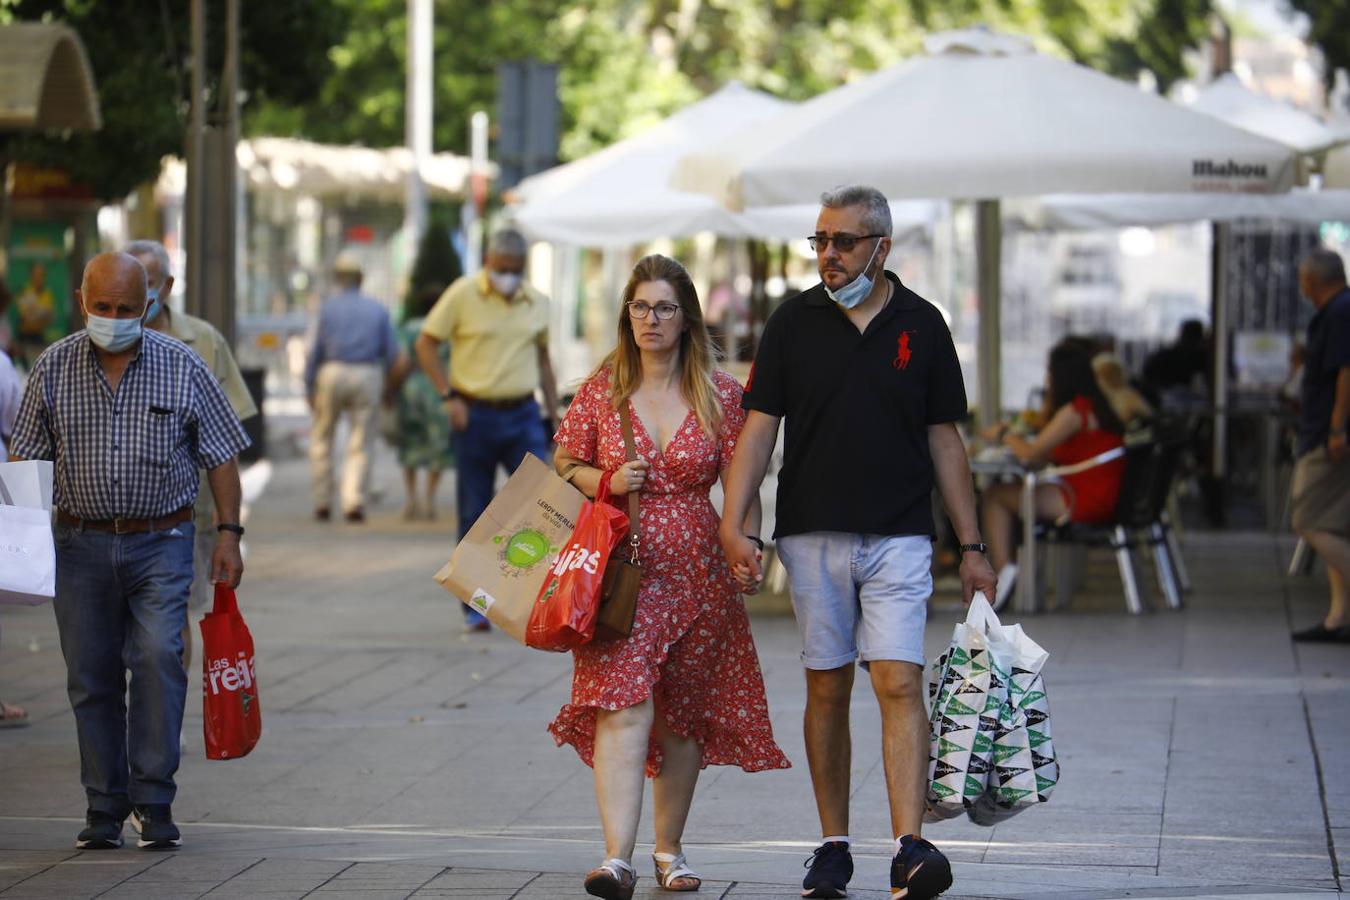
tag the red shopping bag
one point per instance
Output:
(564, 612)
(231, 716)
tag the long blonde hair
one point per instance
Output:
(696, 347)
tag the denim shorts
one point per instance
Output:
(859, 595)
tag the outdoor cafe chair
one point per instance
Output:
(1140, 519)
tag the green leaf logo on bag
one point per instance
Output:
(522, 550)
(946, 747)
(983, 745)
(974, 786)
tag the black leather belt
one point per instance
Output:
(509, 403)
(126, 526)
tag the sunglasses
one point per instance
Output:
(842, 242)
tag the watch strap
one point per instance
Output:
(975, 548)
(230, 526)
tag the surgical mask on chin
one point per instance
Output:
(505, 283)
(113, 335)
(856, 291)
(153, 306)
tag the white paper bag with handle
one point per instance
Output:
(27, 554)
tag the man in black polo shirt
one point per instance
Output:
(1322, 473)
(865, 373)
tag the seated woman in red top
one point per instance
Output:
(1082, 425)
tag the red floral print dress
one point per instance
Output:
(690, 649)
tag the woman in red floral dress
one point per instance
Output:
(684, 690)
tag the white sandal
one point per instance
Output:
(671, 867)
(613, 879)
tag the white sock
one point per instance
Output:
(841, 838)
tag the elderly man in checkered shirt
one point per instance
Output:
(128, 415)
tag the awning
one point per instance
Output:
(46, 83)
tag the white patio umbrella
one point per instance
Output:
(982, 116)
(1088, 211)
(620, 196)
(1227, 98)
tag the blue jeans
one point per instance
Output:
(121, 605)
(493, 437)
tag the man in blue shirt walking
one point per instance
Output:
(352, 351)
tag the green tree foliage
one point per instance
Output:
(436, 266)
(627, 63)
(1330, 31)
(138, 50)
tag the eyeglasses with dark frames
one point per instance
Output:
(842, 242)
(664, 311)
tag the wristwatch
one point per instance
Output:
(755, 539)
(230, 526)
(974, 548)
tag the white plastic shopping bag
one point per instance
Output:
(27, 555)
(965, 695)
(1025, 769)
(991, 754)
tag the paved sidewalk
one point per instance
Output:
(1203, 753)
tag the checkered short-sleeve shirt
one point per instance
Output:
(132, 453)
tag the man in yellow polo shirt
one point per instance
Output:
(208, 343)
(497, 327)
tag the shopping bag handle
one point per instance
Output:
(981, 615)
(225, 601)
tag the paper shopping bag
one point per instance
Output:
(27, 556)
(231, 715)
(27, 482)
(966, 692)
(565, 611)
(500, 565)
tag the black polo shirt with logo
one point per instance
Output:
(857, 409)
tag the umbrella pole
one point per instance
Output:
(988, 259)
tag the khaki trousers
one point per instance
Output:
(353, 389)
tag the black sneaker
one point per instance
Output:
(919, 871)
(831, 867)
(103, 831)
(154, 823)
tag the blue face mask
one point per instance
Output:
(153, 306)
(113, 335)
(856, 291)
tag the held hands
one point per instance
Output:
(629, 477)
(745, 559)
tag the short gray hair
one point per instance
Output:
(876, 210)
(508, 242)
(151, 248)
(1324, 266)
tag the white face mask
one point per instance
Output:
(505, 283)
(856, 291)
(113, 335)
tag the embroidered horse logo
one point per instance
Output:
(903, 353)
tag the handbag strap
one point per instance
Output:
(630, 454)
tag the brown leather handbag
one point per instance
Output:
(619, 590)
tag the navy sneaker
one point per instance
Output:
(919, 871)
(154, 823)
(831, 866)
(103, 831)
